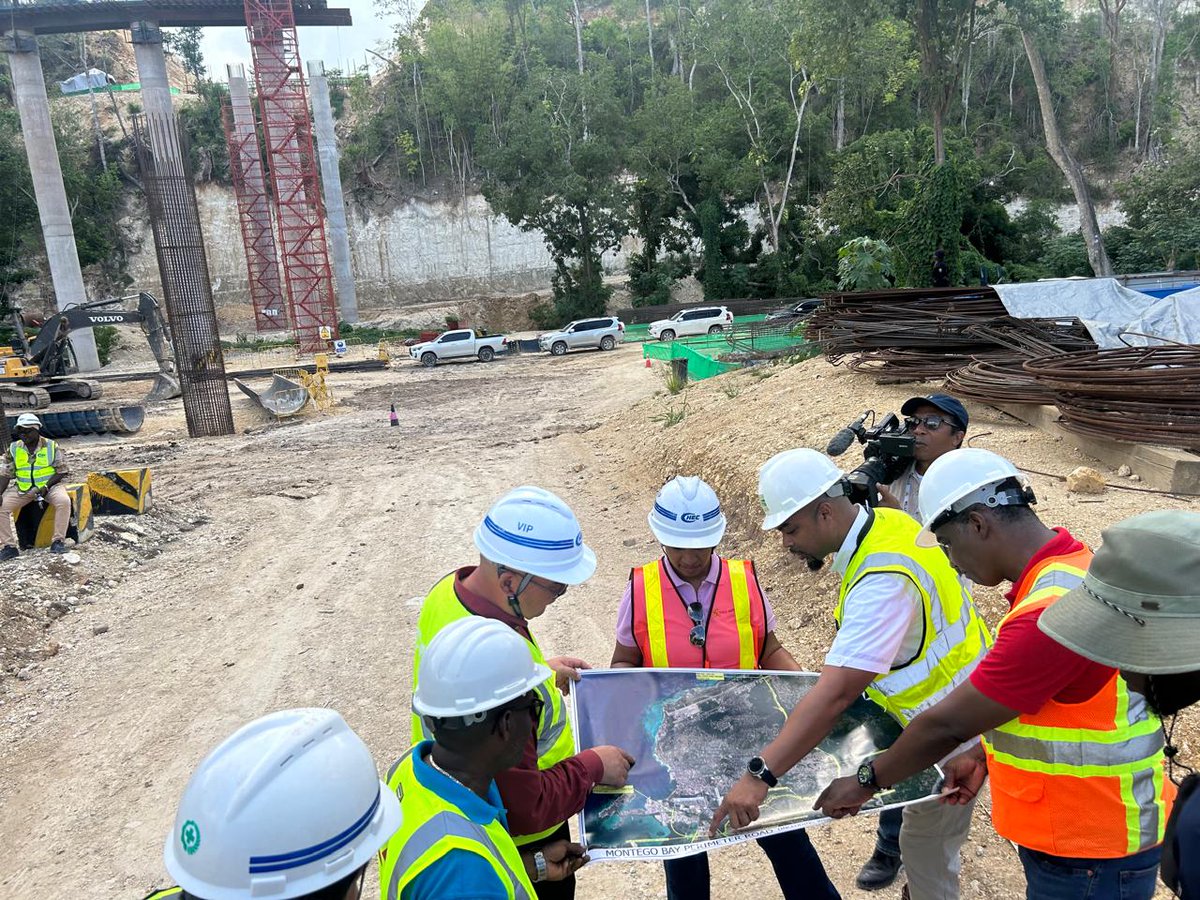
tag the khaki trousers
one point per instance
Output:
(57, 497)
(930, 840)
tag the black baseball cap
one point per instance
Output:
(944, 402)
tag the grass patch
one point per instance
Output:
(674, 414)
(731, 389)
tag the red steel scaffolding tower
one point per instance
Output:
(287, 129)
(254, 206)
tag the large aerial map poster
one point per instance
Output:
(691, 732)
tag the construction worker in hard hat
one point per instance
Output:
(33, 470)
(531, 551)
(908, 634)
(1075, 757)
(289, 806)
(480, 696)
(694, 609)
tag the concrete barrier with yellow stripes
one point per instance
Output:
(35, 526)
(125, 492)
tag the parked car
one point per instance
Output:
(700, 320)
(462, 343)
(604, 333)
(797, 311)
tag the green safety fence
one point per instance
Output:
(702, 351)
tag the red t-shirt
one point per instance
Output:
(1025, 668)
(536, 799)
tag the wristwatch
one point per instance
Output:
(866, 776)
(757, 767)
(539, 865)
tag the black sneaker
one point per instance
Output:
(880, 871)
(58, 547)
(7, 553)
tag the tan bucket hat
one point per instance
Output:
(1139, 605)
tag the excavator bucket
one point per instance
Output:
(283, 398)
(164, 388)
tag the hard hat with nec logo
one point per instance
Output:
(687, 514)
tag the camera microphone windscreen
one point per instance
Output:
(841, 442)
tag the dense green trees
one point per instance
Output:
(746, 141)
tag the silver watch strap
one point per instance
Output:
(539, 865)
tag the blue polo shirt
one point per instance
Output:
(460, 874)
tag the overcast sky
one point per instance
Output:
(343, 48)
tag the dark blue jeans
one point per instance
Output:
(887, 832)
(798, 870)
(1059, 878)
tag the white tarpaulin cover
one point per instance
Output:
(92, 78)
(1107, 309)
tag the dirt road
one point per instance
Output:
(298, 584)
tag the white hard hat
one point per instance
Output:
(962, 478)
(789, 481)
(29, 420)
(687, 514)
(531, 530)
(286, 806)
(474, 665)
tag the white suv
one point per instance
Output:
(605, 333)
(700, 320)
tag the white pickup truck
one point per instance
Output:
(462, 343)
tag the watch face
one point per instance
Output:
(866, 775)
(756, 765)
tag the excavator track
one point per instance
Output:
(66, 389)
(16, 396)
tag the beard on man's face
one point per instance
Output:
(814, 564)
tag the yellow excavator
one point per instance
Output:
(37, 372)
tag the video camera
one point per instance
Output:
(887, 449)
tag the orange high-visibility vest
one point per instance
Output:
(734, 632)
(1078, 779)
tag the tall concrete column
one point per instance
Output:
(155, 86)
(331, 184)
(29, 91)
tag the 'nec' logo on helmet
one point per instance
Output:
(689, 518)
(579, 539)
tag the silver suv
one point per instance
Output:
(603, 333)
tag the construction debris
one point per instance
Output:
(1085, 480)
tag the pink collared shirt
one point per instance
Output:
(689, 594)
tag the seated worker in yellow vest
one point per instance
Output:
(32, 470)
(478, 695)
(1075, 758)
(907, 633)
(531, 551)
(694, 609)
(288, 807)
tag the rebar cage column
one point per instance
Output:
(183, 267)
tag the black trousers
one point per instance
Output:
(797, 866)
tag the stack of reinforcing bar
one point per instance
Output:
(925, 334)
(1141, 395)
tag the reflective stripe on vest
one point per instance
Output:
(734, 631)
(431, 827)
(955, 637)
(1078, 779)
(30, 471)
(555, 741)
(164, 893)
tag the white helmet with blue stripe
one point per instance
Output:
(687, 514)
(286, 806)
(533, 531)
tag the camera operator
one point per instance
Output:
(939, 424)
